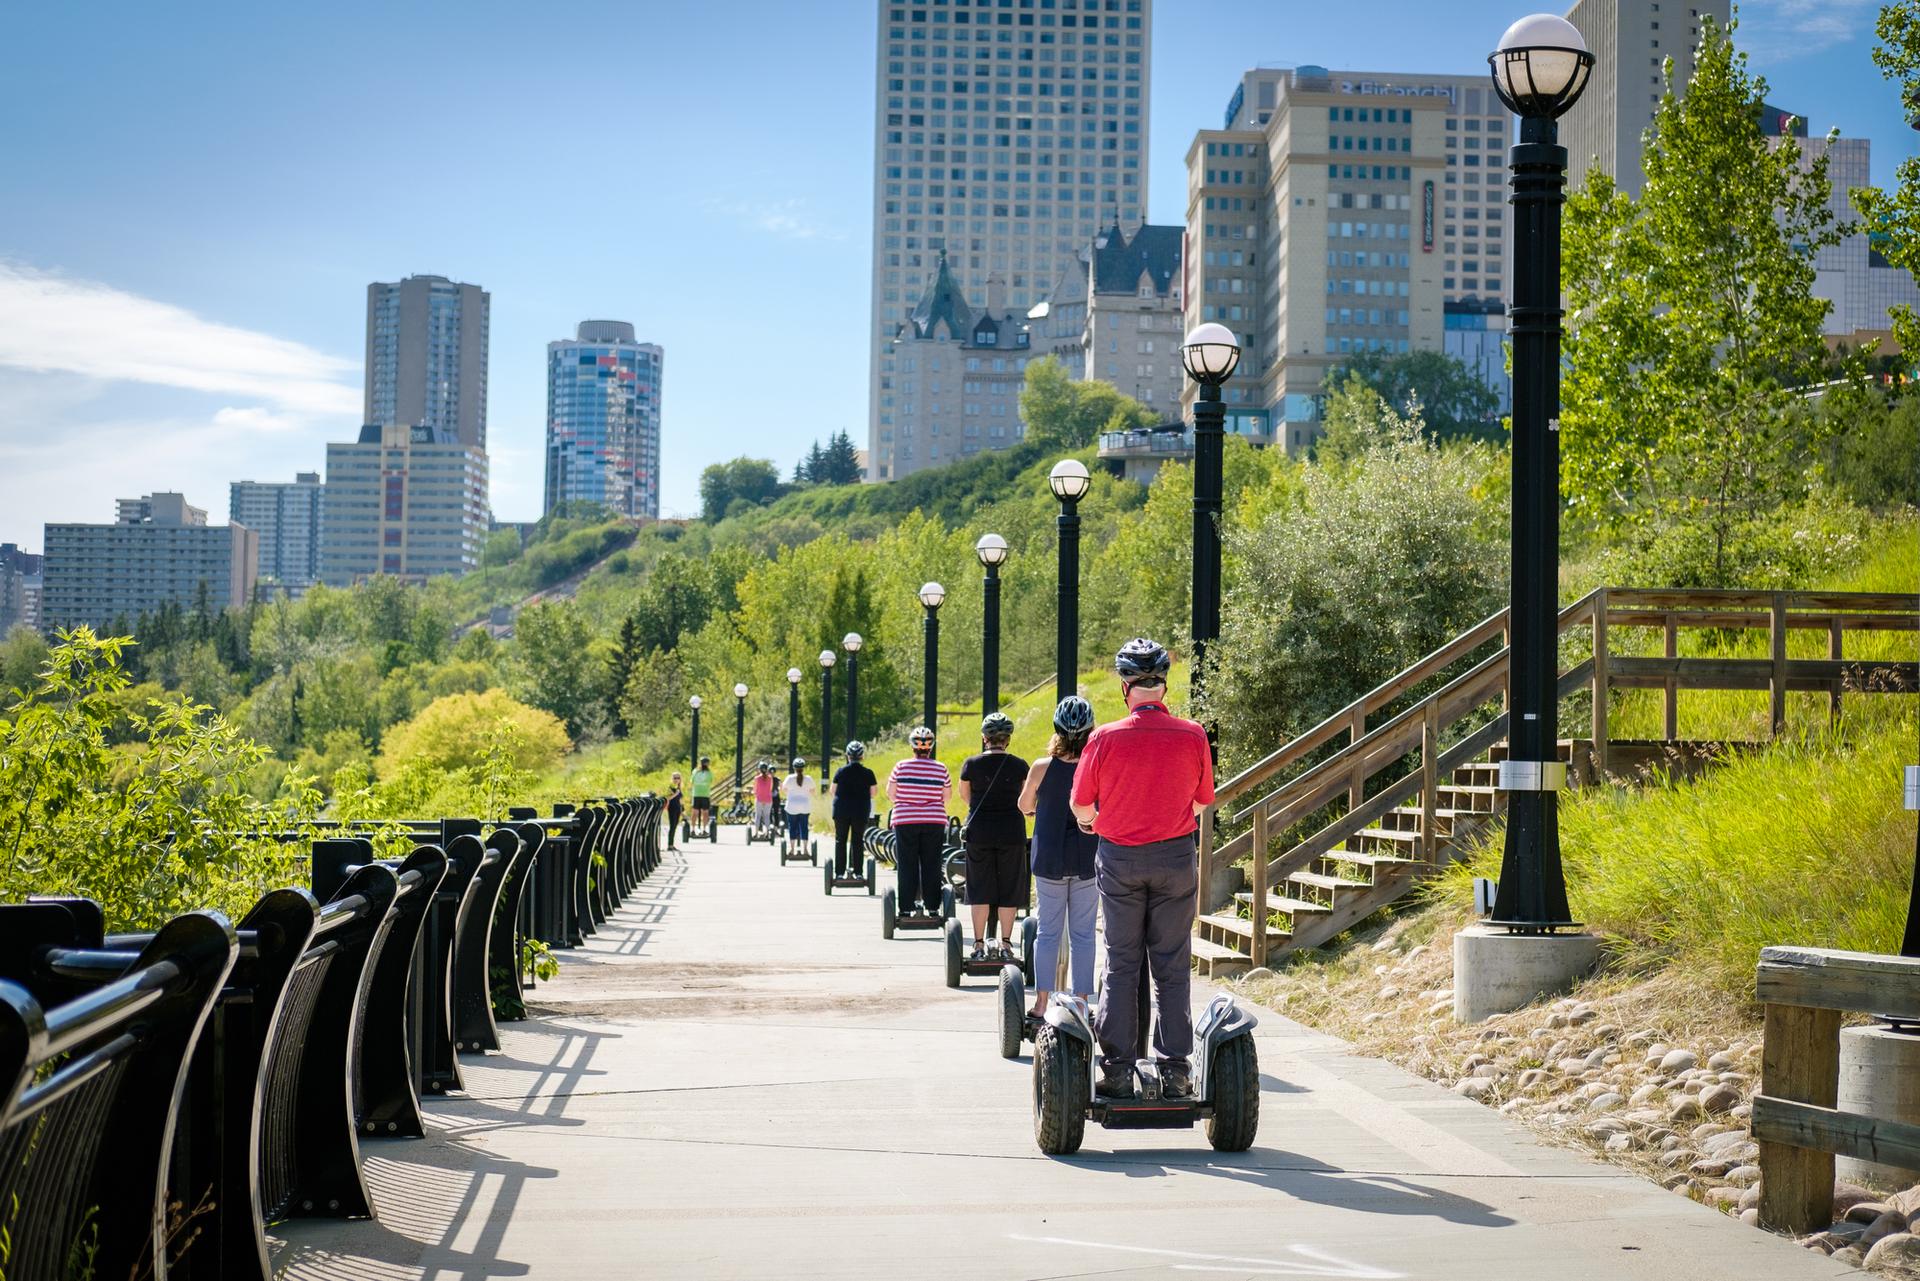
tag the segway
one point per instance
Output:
(834, 881)
(960, 965)
(1226, 1081)
(792, 851)
(892, 918)
(1017, 1023)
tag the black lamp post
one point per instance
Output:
(852, 642)
(1911, 945)
(826, 711)
(694, 703)
(793, 715)
(1069, 481)
(739, 743)
(931, 596)
(992, 551)
(1540, 68)
(1210, 354)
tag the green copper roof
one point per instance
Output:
(943, 301)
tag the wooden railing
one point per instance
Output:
(1805, 991)
(1289, 785)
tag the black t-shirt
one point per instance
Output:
(853, 791)
(994, 780)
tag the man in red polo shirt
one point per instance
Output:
(1140, 784)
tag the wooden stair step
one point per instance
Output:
(1213, 959)
(1280, 903)
(1440, 811)
(1362, 858)
(1228, 923)
(1326, 882)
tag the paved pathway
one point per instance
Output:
(740, 1078)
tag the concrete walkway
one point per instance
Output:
(740, 1078)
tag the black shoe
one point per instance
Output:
(1115, 1083)
(1176, 1083)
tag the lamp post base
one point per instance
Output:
(1497, 972)
(1879, 1077)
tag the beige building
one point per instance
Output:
(954, 376)
(1003, 140)
(1135, 316)
(1630, 41)
(1337, 213)
(404, 501)
(159, 551)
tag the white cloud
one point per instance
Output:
(1775, 31)
(787, 219)
(51, 323)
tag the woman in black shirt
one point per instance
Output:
(851, 792)
(996, 833)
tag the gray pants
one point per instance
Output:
(1147, 895)
(1067, 909)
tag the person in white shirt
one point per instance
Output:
(799, 788)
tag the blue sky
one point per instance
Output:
(194, 197)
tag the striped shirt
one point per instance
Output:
(919, 791)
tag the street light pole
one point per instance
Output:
(1539, 70)
(852, 643)
(793, 715)
(739, 742)
(826, 712)
(931, 596)
(992, 551)
(1210, 355)
(1069, 482)
(694, 703)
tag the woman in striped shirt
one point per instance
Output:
(918, 789)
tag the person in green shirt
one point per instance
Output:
(703, 796)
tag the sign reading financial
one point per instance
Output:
(1426, 217)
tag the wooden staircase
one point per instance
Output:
(1389, 789)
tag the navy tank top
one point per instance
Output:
(1061, 851)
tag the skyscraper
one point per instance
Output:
(1630, 40)
(287, 518)
(603, 420)
(427, 357)
(1004, 138)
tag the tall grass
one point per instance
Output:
(1802, 843)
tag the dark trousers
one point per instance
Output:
(1147, 896)
(849, 846)
(917, 856)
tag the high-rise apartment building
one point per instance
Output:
(1338, 213)
(287, 519)
(427, 357)
(1630, 41)
(159, 551)
(603, 420)
(402, 501)
(1004, 138)
(20, 583)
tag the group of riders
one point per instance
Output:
(1115, 812)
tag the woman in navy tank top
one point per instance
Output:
(1062, 855)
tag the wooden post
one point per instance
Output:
(1673, 683)
(1356, 782)
(1600, 685)
(1429, 782)
(1777, 679)
(1506, 686)
(1800, 1061)
(1257, 949)
(1835, 627)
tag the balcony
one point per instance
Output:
(1137, 455)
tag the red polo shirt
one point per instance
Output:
(1145, 773)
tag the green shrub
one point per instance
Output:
(459, 730)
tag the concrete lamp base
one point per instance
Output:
(1495, 972)
(1879, 1077)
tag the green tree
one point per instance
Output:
(554, 667)
(22, 654)
(1893, 218)
(1693, 323)
(456, 732)
(839, 463)
(1450, 398)
(501, 548)
(748, 482)
(1065, 414)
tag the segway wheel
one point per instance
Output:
(1233, 1079)
(1029, 932)
(946, 903)
(713, 831)
(813, 849)
(889, 912)
(827, 881)
(871, 868)
(1013, 1011)
(953, 952)
(1061, 1082)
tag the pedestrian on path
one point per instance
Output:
(1063, 855)
(1140, 785)
(851, 797)
(675, 804)
(917, 789)
(996, 833)
(763, 798)
(703, 796)
(798, 790)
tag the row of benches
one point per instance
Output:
(164, 1097)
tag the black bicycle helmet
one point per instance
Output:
(856, 749)
(996, 725)
(1074, 716)
(1141, 660)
